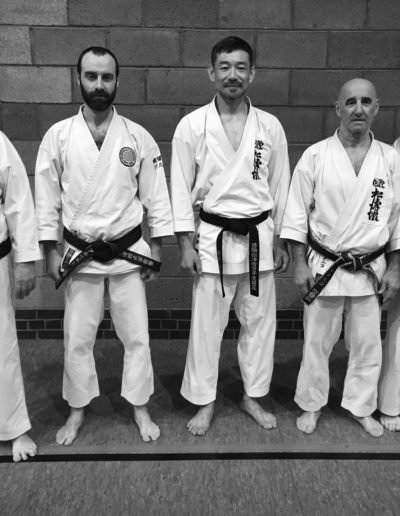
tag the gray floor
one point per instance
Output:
(213, 485)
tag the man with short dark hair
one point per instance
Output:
(230, 161)
(17, 234)
(341, 218)
(100, 171)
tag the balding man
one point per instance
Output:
(341, 219)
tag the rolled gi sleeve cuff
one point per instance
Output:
(393, 245)
(292, 234)
(51, 235)
(27, 256)
(161, 232)
(184, 226)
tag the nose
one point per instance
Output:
(99, 83)
(359, 107)
(232, 73)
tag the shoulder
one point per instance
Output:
(192, 123)
(138, 133)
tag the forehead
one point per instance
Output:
(359, 89)
(101, 64)
(236, 56)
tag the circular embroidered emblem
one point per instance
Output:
(127, 156)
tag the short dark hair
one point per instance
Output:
(230, 44)
(97, 51)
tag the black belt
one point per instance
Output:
(345, 260)
(5, 248)
(242, 227)
(103, 251)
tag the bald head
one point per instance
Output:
(357, 106)
(355, 85)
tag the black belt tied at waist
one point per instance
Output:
(104, 251)
(345, 260)
(242, 227)
(5, 248)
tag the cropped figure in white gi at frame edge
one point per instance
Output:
(100, 171)
(17, 234)
(389, 381)
(230, 160)
(342, 221)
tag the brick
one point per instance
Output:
(383, 14)
(168, 324)
(330, 14)
(15, 46)
(300, 124)
(20, 121)
(154, 325)
(39, 12)
(159, 314)
(26, 334)
(49, 114)
(21, 325)
(317, 87)
(51, 314)
(159, 334)
(181, 314)
(51, 334)
(177, 86)
(183, 325)
(130, 90)
(36, 325)
(145, 47)
(28, 152)
(364, 50)
(54, 325)
(289, 314)
(170, 13)
(387, 83)
(383, 126)
(34, 84)
(287, 334)
(292, 49)
(270, 88)
(25, 314)
(197, 44)
(62, 46)
(160, 121)
(126, 13)
(274, 14)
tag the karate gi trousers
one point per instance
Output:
(84, 309)
(389, 381)
(14, 420)
(322, 327)
(210, 315)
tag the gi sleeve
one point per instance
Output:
(300, 200)
(394, 219)
(153, 191)
(48, 186)
(183, 175)
(279, 175)
(18, 208)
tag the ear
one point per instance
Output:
(337, 109)
(252, 74)
(377, 105)
(211, 73)
(78, 79)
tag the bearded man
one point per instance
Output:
(100, 172)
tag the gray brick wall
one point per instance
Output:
(304, 50)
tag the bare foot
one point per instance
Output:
(67, 433)
(370, 425)
(307, 422)
(147, 428)
(254, 409)
(200, 423)
(23, 447)
(391, 423)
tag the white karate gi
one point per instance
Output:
(389, 381)
(17, 220)
(102, 194)
(351, 213)
(207, 172)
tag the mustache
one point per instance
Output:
(232, 83)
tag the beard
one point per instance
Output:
(98, 100)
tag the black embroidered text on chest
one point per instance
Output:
(258, 145)
(376, 196)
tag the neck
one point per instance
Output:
(96, 117)
(231, 107)
(353, 139)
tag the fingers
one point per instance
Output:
(24, 288)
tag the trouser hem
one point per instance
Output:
(10, 436)
(79, 403)
(358, 411)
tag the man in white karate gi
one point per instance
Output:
(389, 381)
(341, 218)
(230, 161)
(17, 234)
(101, 171)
